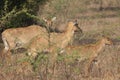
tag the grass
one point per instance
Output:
(41, 58)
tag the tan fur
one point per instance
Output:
(62, 39)
(37, 44)
(57, 40)
(89, 51)
(61, 28)
(16, 37)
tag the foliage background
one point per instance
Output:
(16, 13)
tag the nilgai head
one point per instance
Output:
(107, 40)
(75, 27)
(49, 23)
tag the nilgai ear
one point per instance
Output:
(53, 19)
(103, 35)
(44, 19)
(76, 22)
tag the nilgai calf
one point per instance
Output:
(86, 52)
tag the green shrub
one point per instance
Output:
(17, 13)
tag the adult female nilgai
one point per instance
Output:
(57, 40)
(17, 37)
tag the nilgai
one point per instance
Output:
(56, 40)
(86, 52)
(16, 37)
